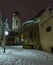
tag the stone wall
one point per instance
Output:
(46, 30)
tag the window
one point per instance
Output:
(48, 29)
(16, 33)
(31, 34)
(52, 49)
(16, 22)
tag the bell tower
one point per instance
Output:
(16, 21)
(16, 26)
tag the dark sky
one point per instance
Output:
(26, 8)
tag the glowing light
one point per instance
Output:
(6, 33)
(22, 39)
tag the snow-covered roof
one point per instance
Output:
(30, 21)
(37, 21)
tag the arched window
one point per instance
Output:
(16, 22)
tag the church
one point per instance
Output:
(38, 31)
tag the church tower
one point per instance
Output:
(16, 21)
(16, 26)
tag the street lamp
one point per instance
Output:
(5, 33)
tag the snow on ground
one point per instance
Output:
(25, 57)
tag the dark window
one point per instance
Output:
(52, 49)
(8, 39)
(48, 29)
(31, 34)
(16, 33)
(12, 39)
(16, 22)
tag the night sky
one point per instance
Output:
(26, 8)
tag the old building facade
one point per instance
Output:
(31, 33)
(39, 33)
(13, 37)
(46, 30)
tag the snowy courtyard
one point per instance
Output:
(25, 57)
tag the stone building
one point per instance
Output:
(28, 34)
(16, 26)
(39, 33)
(31, 34)
(46, 29)
(36, 34)
(13, 37)
(16, 22)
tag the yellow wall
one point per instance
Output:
(14, 26)
(46, 37)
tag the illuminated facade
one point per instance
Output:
(16, 26)
(39, 34)
(31, 34)
(36, 33)
(46, 30)
(16, 22)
